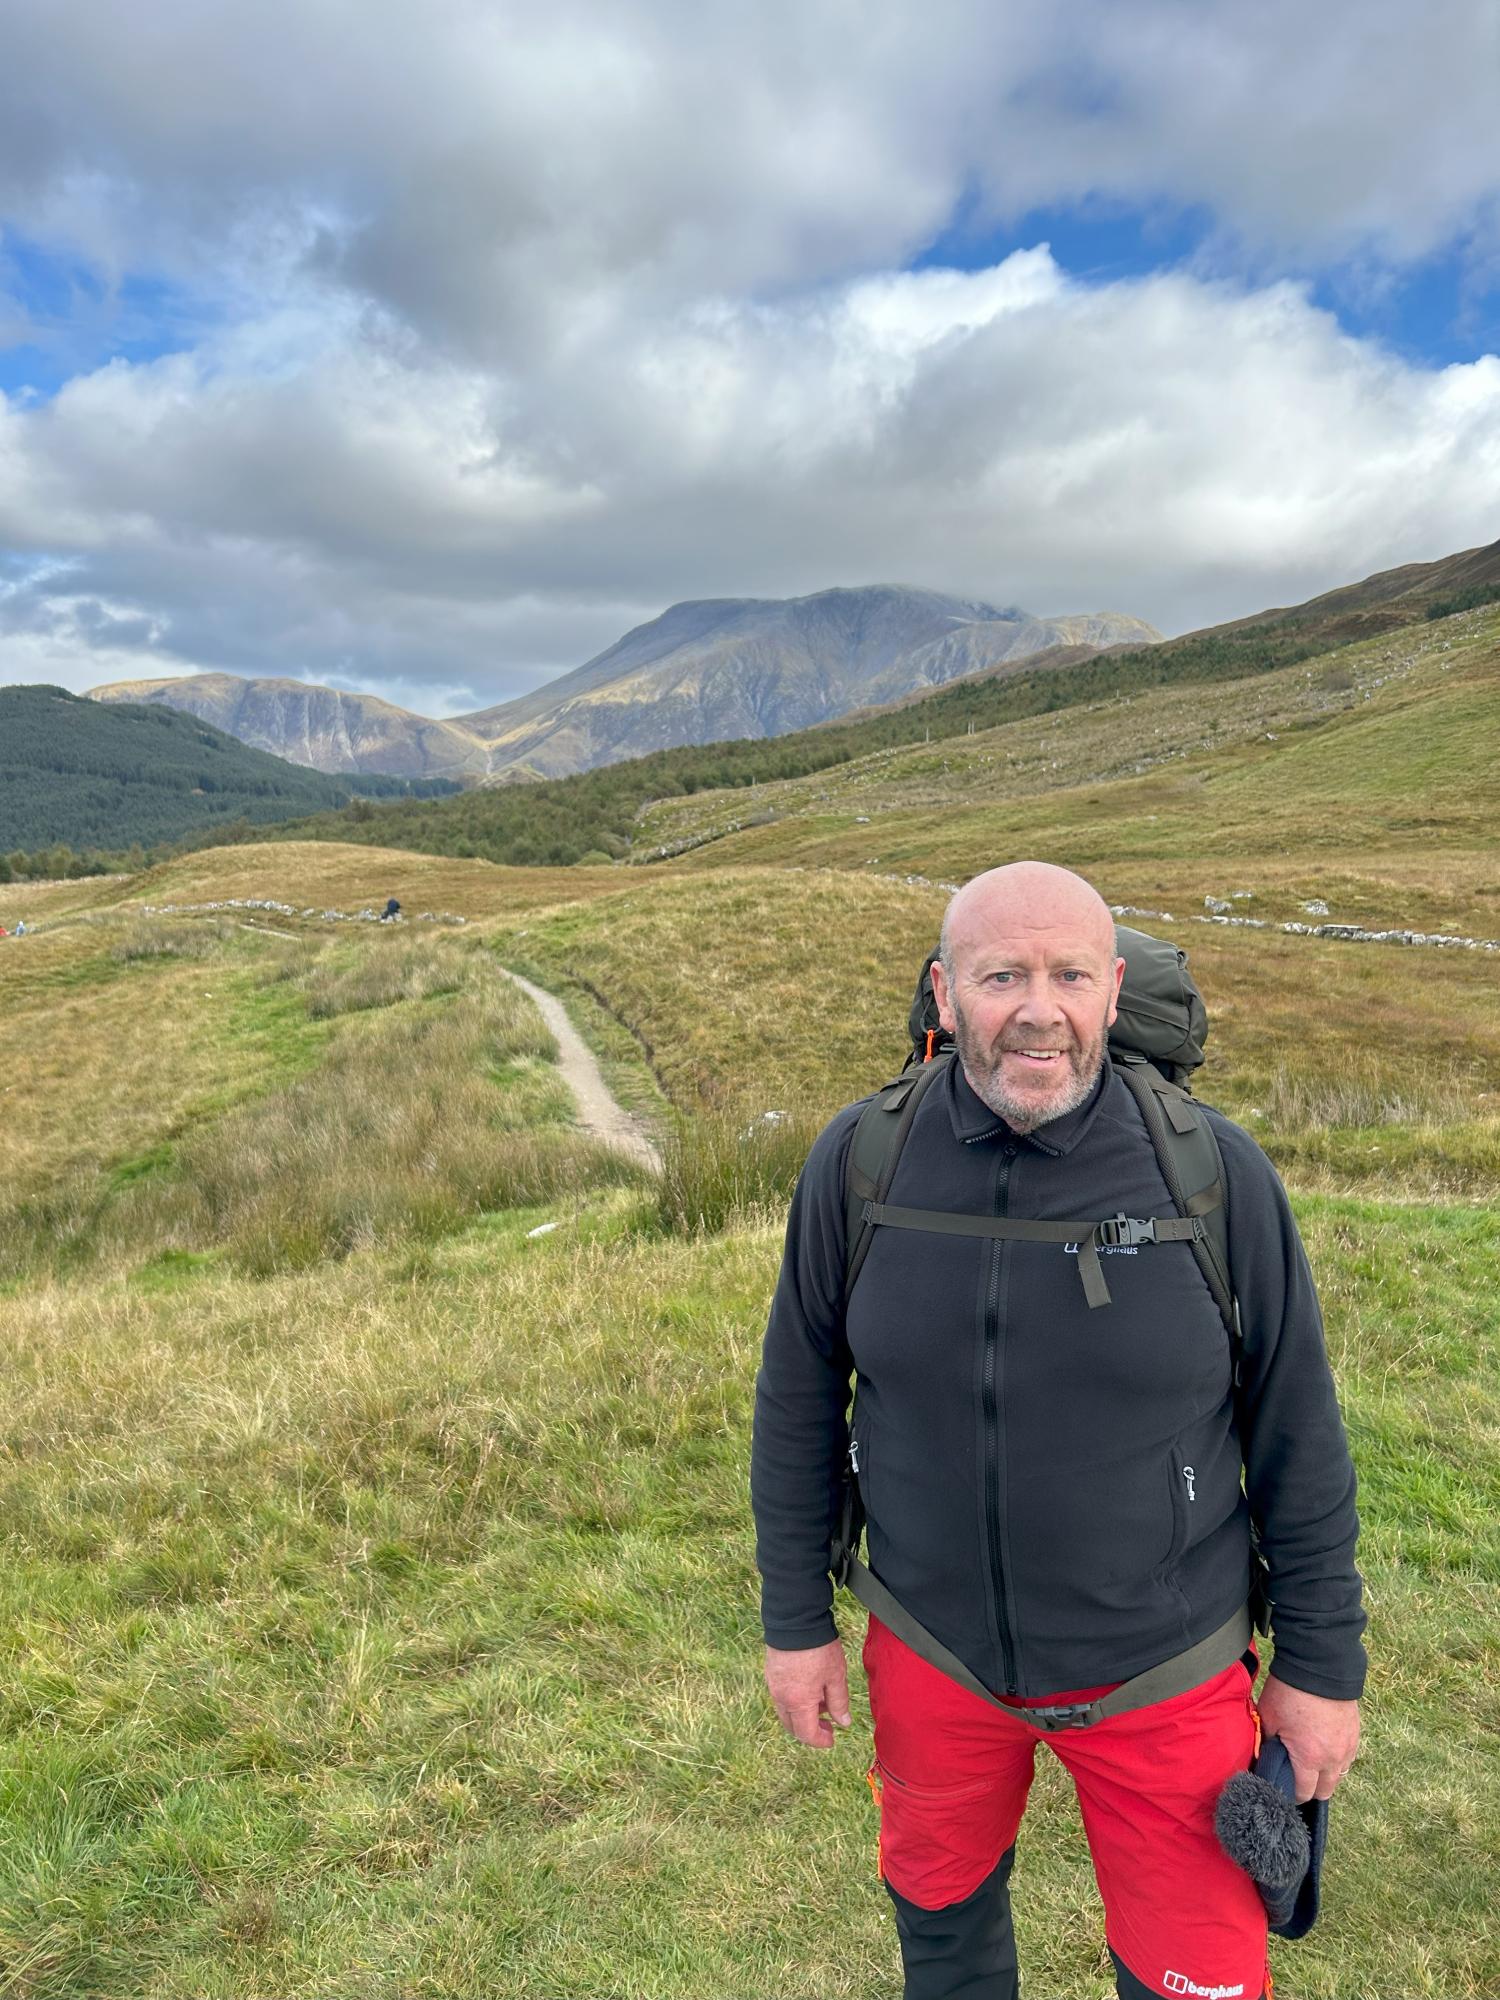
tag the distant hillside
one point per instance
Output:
(561, 821)
(77, 772)
(323, 728)
(726, 669)
(702, 672)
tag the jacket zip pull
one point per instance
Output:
(1189, 1475)
(854, 1456)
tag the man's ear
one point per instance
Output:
(1114, 998)
(943, 997)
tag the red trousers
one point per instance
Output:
(951, 1775)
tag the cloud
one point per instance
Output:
(1162, 446)
(495, 332)
(494, 175)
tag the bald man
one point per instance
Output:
(1062, 1496)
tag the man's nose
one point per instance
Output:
(1039, 1004)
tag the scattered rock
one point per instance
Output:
(767, 1121)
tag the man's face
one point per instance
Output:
(1029, 1004)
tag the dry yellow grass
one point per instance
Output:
(762, 989)
(330, 874)
(102, 1062)
(321, 874)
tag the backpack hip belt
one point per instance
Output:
(1190, 1669)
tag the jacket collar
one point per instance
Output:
(973, 1119)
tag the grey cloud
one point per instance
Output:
(498, 179)
(502, 334)
(1178, 450)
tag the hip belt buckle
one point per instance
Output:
(1062, 1715)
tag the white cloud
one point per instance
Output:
(497, 175)
(500, 331)
(1163, 446)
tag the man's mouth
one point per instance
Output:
(1037, 1058)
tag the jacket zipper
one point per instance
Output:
(992, 1386)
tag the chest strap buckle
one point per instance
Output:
(1126, 1232)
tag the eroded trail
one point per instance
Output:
(599, 1113)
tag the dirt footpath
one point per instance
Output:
(598, 1112)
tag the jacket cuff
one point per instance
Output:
(1347, 1686)
(801, 1638)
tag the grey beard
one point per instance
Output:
(982, 1068)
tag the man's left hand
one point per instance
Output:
(1321, 1736)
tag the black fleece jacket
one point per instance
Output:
(1062, 1494)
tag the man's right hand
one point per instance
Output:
(810, 1690)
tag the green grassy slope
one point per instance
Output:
(563, 820)
(1379, 745)
(379, 1615)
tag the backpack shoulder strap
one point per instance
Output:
(875, 1149)
(1193, 1169)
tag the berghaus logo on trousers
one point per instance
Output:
(1178, 1982)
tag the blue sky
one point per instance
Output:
(1444, 307)
(435, 372)
(65, 317)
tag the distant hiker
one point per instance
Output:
(20, 927)
(392, 909)
(1053, 1415)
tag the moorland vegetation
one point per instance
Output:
(380, 1613)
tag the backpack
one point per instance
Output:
(1155, 1044)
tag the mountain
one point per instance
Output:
(596, 814)
(703, 672)
(323, 728)
(718, 669)
(77, 772)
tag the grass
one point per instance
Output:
(1280, 766)
(389, 1627)
(378, 1608)
(155, 939)
(758, 990)
(444, 1106)
(718, 1171)
(105, 1061)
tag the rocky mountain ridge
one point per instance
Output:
(717, 669)
(325, 729)
(705, 671)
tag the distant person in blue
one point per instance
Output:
(392, 909)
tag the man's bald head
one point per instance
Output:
(1024, 896)
(1027, 983)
